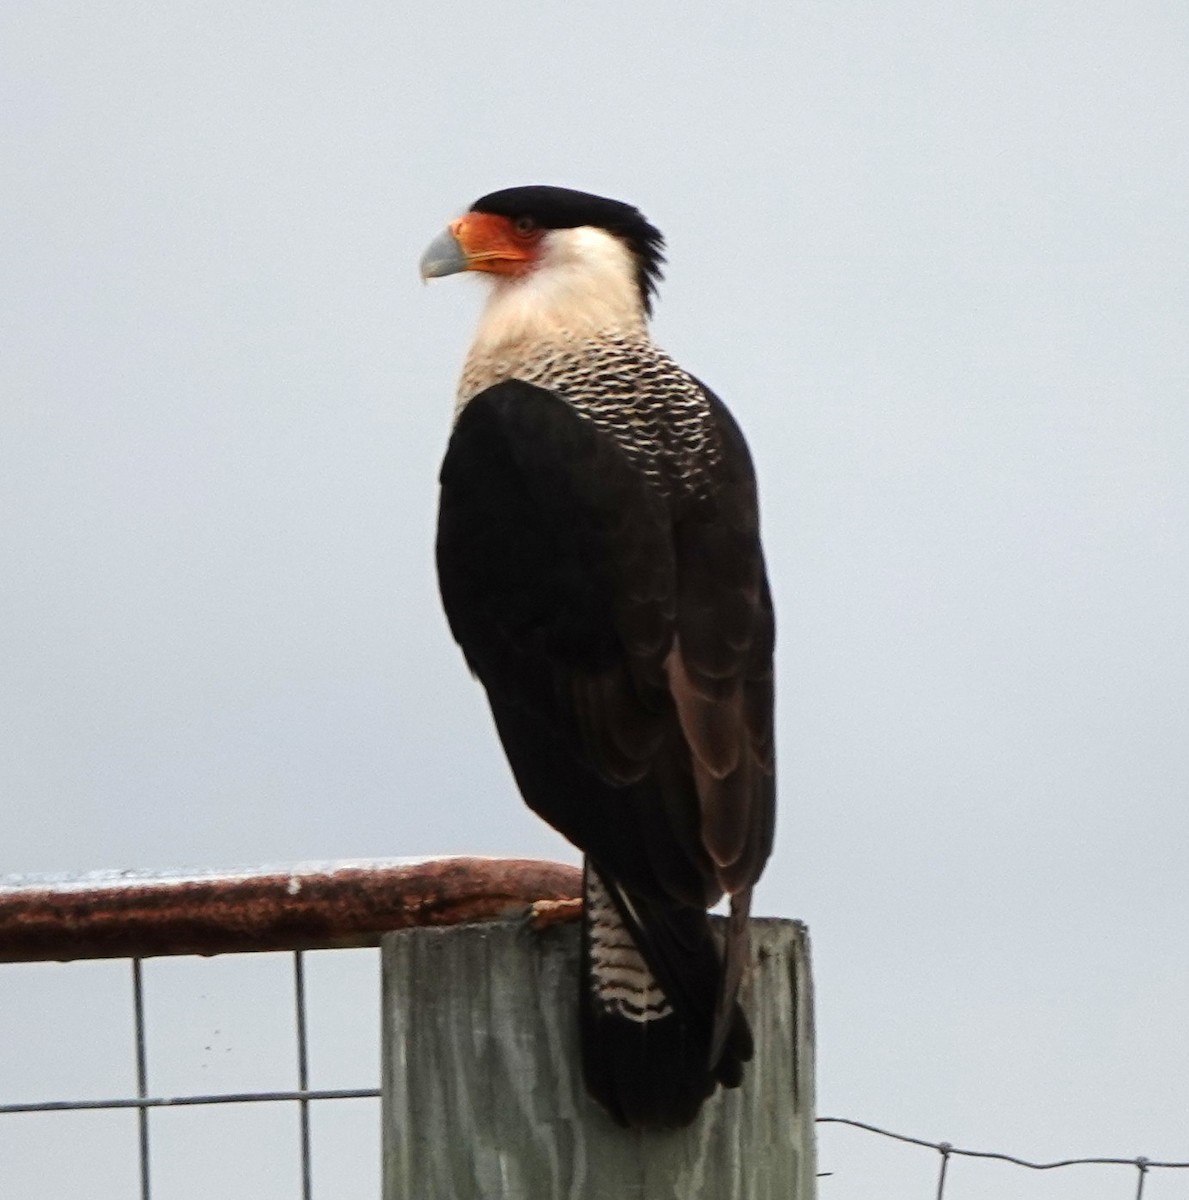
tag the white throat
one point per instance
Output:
(584, 285)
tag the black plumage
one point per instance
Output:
(600, 566)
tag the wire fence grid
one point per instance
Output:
(303, 1095)
(161, 931)
(144, 917)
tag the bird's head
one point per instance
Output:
(569, 258)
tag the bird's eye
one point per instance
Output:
(524, 226)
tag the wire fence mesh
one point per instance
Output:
(145, 1101)
(133, 917)
(173, 982)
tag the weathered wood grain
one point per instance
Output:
(483, 1097)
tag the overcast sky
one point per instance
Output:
(936, 259)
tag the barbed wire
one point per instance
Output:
(947, 1151)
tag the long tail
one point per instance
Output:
(736, 956)
(653, 982)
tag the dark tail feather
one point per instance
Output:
(736, 956)
(651, 981)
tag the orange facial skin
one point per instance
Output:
(499, 245)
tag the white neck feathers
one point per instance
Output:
(583, 284)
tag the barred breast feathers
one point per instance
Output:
(577, 327)
(626, 386)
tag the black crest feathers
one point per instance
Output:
(563, 208)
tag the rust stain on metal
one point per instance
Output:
(273, 910)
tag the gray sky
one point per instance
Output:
(935, 257)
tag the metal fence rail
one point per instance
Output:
(131, 914)
(296, 909)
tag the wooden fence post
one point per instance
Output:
(482, 1090)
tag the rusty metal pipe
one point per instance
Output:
(305, 907)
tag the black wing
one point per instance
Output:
(624, 640)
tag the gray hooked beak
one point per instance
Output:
(443, 256)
